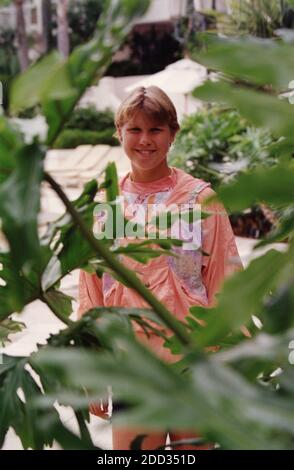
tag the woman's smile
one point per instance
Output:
(145, 153)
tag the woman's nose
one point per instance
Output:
(145, 139)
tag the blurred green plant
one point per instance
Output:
(8, 55)
(88, 126)
(259, 18)
(82, 18)
(90, 119)
(71, 138)
(9, 65)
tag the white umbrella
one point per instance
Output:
(102, 96)
(181, 77)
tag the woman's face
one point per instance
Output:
(146, 142)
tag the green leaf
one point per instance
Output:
(271, 185)
(269, 111)
(20, 203)
(65, 220)
(245, 406)
(252, 356)
(141, 253)
(242, 296)
(111, 182)
(10, 142)
(8, 327)
(14, 412)
(278, 312)
(58, 301)
(69, 441)
(13, 280)
(75, 251)
(34, 426)
(229, 411)
(28, 88)
(16, 291)
(259, 61)
(131, 9)
(19, 207)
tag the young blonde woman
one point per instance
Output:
(147, 125)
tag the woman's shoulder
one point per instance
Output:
(201, 188)
(206, 193)
(183, 175)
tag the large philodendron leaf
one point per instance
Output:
(57, 84)
(10, 142)
(258, 61)
(233, 412)
(243, 295)
(268, 185)
(75, 250)
(278, 312)
(92, 329)
(19, 207)
(70, 249)
(30, 88)
(16, 412)
(254, 356)
(245, 406)
(30, 282)
(269, 111)
(35, 427)
(20, 204)
(59, 302)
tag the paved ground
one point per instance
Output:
(72, 169)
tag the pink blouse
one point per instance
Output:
(179, 282)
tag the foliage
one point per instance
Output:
(9, 65)
(8, 327)
(8, 54)
(216, 144)
(260, 17)
(82, 18)
(71, 138)
(150, 52)
(244, 403)
(89, 119)
(88, 126)
(28, 113)
(5, 81)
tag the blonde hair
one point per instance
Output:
(154, 102)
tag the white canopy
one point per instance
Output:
(180, 77)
